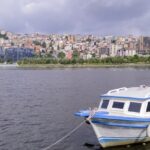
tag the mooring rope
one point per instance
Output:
(92, 112)
(64, 137)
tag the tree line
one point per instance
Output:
(108, 60)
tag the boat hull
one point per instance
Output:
(109, 136)
(113, 130)
(111, 141)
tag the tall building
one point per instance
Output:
(144, 45)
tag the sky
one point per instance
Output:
(102, 17)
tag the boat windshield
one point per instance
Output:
(104, 104)
(134, 107)
(118, 105)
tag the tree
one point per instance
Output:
(44, 45)
(75, 54)
(93, 55)
(50, 54)
(61, 55)
(36, 42)
(4, 36)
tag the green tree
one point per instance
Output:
(61, 55)
(75, 54)
(93, 55)
(44, 45)
(37, 42)
(4, 36)
(49, 54)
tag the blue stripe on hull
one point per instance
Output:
(105, 115)
(98, 115)
(120, 125)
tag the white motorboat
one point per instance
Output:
(122, 118)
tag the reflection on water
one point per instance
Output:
(145, 146)
(132, 147)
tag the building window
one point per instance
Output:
(148, 107)
(105, 104)
(134, 107)
(118, 105)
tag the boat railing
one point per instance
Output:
(117, 90)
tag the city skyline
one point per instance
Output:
(113, 17)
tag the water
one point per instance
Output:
(37, 106)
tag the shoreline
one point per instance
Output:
(83, 65)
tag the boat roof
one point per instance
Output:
(133, 93)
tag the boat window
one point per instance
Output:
(118, 105)
(134, 107)
(148, 107)
(105, 104)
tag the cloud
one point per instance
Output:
(76, 16)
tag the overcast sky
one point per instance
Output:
(103, 17)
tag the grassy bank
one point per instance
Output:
(45, 62)
(84, 65)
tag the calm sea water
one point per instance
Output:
(37, 106)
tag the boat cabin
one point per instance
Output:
(133, 101)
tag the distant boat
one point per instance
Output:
(5, 64)
(122, 118)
